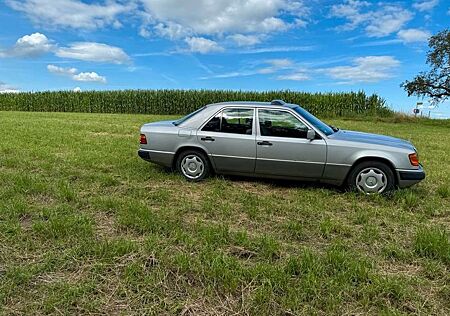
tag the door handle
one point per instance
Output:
(207, 139)
(265, 143)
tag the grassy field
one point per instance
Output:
(87, 227)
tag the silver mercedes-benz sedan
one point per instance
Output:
(278, 140)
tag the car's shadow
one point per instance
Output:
(282, 183)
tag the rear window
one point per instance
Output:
(187, 117)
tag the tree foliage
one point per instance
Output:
(435, 83)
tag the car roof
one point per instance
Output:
(275, 103)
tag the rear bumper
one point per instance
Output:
(163, 158)
(407, 178)
(144, 154)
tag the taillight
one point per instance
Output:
(143, 139)
(414, 159)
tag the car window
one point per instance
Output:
(281, 124)
(324, 128)
(235, 121)
(214, 124)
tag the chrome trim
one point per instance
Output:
(158, 151)
(281, 160)
(338, 164)
(297, 161)
(410, 170)
(226, 156)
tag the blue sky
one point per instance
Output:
(315, 45)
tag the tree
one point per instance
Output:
(435, 83)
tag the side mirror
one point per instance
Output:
(311, 134)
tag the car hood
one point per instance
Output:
(369, 138)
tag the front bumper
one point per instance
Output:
(407, 178)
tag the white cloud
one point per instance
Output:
(281, 65)
(232, 74)
(38, 44)
(171, 30)
(379, 21)
(77, 89)
(243, 22)
(300, 23)
(296, 76)
(5, 88)
(413, 35)
(388, 21)
(202, 45)
(277, 49)
(224, 16)
(169, 18)
(364, 69)
(350, 10)
(97, 52)
(406, 36)
(275, 65)
(75, 75)
(425, 5)
(271, 66)
(72, 13)
(245, 40)
(32, 45)
(144, 32)
(89, 77)
(61, 71)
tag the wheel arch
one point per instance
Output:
(384, 160)
(191, 147)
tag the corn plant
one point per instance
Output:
(332, 104)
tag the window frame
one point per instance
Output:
(220, 111)
(200, 129)
(293, 113)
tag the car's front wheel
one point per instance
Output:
(193, 165)
(370, 177)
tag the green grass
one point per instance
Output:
(86, 227)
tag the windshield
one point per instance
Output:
(314, 121)
(187, 117)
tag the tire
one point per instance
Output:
(193, 165)
(371, 177)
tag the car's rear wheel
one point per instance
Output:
(193, 165)
(371, 177)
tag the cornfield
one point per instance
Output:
(185, 101)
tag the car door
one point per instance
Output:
(230, 137)
(283, 148)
